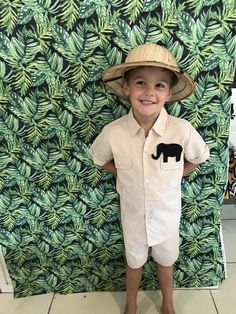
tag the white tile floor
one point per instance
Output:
(220, 301)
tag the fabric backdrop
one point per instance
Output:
(59, 214)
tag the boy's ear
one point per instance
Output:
(125, 88)
(170, 94)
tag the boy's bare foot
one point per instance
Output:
(130, 309)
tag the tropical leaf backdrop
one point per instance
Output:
(59, 214)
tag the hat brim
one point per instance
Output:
(113, 78)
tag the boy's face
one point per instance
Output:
(148, 88)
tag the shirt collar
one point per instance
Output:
(134, 127)
(159, 126)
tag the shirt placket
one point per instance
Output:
(146, 187)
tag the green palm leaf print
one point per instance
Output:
(8, 15)
(59, 213)
(133, 9)
(69, 13)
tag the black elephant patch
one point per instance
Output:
(168, 150)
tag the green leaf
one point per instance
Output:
(9, 126)
(186, 25)
(166, 6)
(100, 196)
(196, 231)
(2, 70)
(205, 30)
(61, 37)
(205, 91)
(76, 45)
(146, 31)
(24, 15)
(211, 62)
(8, 14)
(70, 12)
(107, 56)
(38, 78)
(56, 63)
(122, 39)
(174, 109)
(197, 5)
(22, 49)
(177, 50)
(150, 5)
(87, 8)
(4, 45)
(133, 9)
(82, 151)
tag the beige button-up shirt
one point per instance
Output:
(149, 185)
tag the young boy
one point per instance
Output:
(149, 151)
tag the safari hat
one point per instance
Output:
(149, 55)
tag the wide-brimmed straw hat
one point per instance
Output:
(149, 55)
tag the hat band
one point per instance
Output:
(181, 71)
(112, 79)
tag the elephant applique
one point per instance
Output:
(168, 150)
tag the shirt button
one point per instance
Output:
(146, 181)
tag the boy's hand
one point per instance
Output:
(188, 167)
(110, 167)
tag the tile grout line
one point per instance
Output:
(214, 302)
(228, 218)
(50, 306)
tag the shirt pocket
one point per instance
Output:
(123, 166)
(172, 172)
(171, 164)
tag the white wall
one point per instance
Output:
(5, 281)
(232, 133)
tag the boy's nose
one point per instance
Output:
(149, 92)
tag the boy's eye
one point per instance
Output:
(161, 85)
(140, 82)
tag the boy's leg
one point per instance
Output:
(166, 253)
(133, 278)
(165, 278)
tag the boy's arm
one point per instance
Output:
(110, 167)
(188, 167)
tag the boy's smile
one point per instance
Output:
(148, 88)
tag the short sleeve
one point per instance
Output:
(100, 150)
(196, 150)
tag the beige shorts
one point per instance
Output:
(165, 253)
